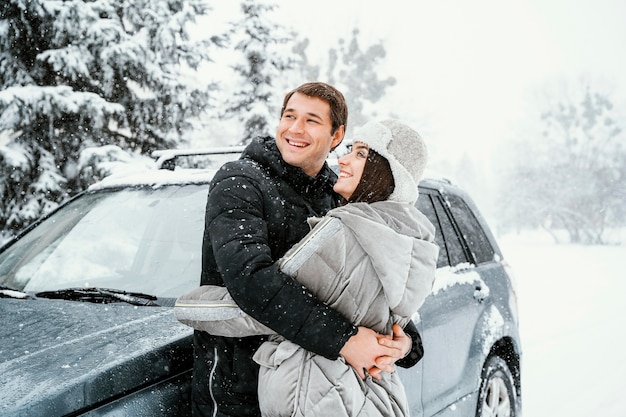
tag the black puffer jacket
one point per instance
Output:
(256, 210)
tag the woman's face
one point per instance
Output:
(351, 168)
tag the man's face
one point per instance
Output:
(304, 136)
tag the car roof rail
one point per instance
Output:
(166, 158)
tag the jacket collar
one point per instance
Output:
(264, 151)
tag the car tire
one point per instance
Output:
(497, 396)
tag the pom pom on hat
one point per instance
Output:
(405, 150)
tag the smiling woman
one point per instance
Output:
(351, 170)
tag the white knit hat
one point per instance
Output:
(405, 150)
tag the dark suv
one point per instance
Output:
(469, 322)
(87, 296)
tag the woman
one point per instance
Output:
(373, 259)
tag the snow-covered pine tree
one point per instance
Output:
(76, 75)
(261, 44)
(356, 73)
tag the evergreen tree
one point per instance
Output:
(260, 43)
(309, 70)
(265, 69)
(75, 75)
(354, 71)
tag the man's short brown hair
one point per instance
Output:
(328, 93)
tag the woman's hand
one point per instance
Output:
(400, 343)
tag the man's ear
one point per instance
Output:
(338, 136)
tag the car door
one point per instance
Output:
(449, 314)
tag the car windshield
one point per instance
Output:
(145, 240)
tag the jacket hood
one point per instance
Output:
(57, 357)
(399, 240)
(405, 150)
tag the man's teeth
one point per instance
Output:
(298, 144)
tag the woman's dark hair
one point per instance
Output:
(376, 182)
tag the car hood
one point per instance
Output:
(57, 356)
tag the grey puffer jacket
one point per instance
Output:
(378, 262)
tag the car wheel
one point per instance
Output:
(497, 396)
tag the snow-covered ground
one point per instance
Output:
(572, 302)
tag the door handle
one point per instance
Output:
(481, 292)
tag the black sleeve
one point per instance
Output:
(239, 235)
(417, 349)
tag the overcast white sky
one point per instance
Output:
(469, 72)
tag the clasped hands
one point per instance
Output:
(373, 353)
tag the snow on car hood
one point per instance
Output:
(156, 178)
(60, 356)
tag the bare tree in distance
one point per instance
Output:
(572, 175)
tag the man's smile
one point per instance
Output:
(296, 143)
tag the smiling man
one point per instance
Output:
(306, 134)
(256, 210)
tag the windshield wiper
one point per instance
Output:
(6, 292)
(100, 295)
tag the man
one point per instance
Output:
(256, 210)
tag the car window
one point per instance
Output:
(472, 232)
(451, 251)
(425, 205)
(136, 239)
(454, 245)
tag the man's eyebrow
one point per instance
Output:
(310, 114)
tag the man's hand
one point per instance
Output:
(368, 351)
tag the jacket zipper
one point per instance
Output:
(211, 374)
